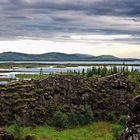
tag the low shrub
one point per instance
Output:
(73, 120)
(111, 117)
(116, 131)
(16, 131)
(122, 120)
(60, 120)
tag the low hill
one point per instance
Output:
(56, 56)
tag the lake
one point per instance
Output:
(45, 70)
(11, 73)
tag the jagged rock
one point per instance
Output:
(132, 129)
(7, 137)
(34, 102)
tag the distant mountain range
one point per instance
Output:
(56, 56)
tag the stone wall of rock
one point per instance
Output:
(132, 128)
(34, 102)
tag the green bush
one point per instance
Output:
(122, 120)
(111, 117)
(88, 114)
(81, 118)
(16, 131)
(60, 120)
(73, 120)
(116, 131)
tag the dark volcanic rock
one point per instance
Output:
(34, 102)
(132, 129)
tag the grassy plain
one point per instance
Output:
(95, 131)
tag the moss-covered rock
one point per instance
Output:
(35, 102)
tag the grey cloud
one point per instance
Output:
(50, 19)
(101, 7)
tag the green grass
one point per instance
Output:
(31, 76)
(95, 131)
(40, 76)
(133, 79)
(132, 76)
(7, 79)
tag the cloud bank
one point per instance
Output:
(92, 21)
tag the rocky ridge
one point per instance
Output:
(35, 102)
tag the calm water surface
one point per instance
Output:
(11, 73)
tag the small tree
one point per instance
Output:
(115, 70)
(104, 71)
(89, 73)
(60, 120)
(83, 72)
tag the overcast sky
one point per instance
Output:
(72, 26)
